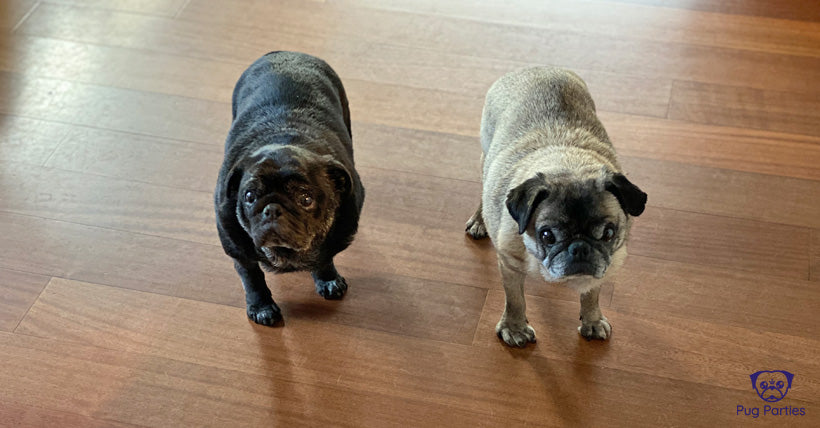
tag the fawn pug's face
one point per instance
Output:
(575, 227)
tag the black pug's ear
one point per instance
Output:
(340, 176)
(230, 186)
(235, 240)
(631, 198)
(522, 200)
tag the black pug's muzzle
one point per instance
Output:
(274, 229)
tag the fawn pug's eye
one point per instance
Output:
(547, 237)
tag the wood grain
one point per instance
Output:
(739, 149)
(635, 22)
(154, 391)
(435, 209)
(116, 109)
(669, 339)
(151, 7)
(657, 288)
(110, 203)
(623, 54)
(769, 249)
(29, 141)
(164, 162)
(744, 107)
(674, 185)
(210, 79)
(55, 248)
(212, 35)
(125, 68)
(18, 291)
(118, 306)
(24, 416)
(814, 269)
(12, 12)
(403, 366)
(726, 192)
(793, 10)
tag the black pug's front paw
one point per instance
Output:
(332, 290)
(268, 314)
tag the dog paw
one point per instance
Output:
(476, 228)
(265, 314)
(516, 336)
(596, 330)
(332, 290)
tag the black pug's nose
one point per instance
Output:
(579, 250)
(272, 212)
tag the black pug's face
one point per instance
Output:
(576, 228)
(287, 199)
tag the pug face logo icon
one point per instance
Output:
(773, 385)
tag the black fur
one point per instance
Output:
(522, 200)
(288, 99)
(631, 198)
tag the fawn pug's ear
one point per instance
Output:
(522, 200)
(631, 198)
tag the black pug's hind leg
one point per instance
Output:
(329, 284)
(260, 305)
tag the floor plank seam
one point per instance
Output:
(218, 245)
(25, 17)
(239, 305)
(215, 148)
(113, 229)
(181, 9)
(227, 60)
(49, 409)
(719, 268)
(34, 302)
(512, 27)
(191, 189)
(717, 168)
(669, 99)
(670, 9)
(83, 7)
(478, 320)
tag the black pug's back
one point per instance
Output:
(288, 195)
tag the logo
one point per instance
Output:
(772, 386)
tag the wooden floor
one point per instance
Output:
(119, 308)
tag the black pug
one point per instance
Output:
(288, 197)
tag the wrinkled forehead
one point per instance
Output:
(281, 164)
(276, 158)
(576, 204)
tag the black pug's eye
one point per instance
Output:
(305, 199)
(250, 197)
(609, 232)
(547, 237)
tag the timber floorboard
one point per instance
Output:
(119, 308)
